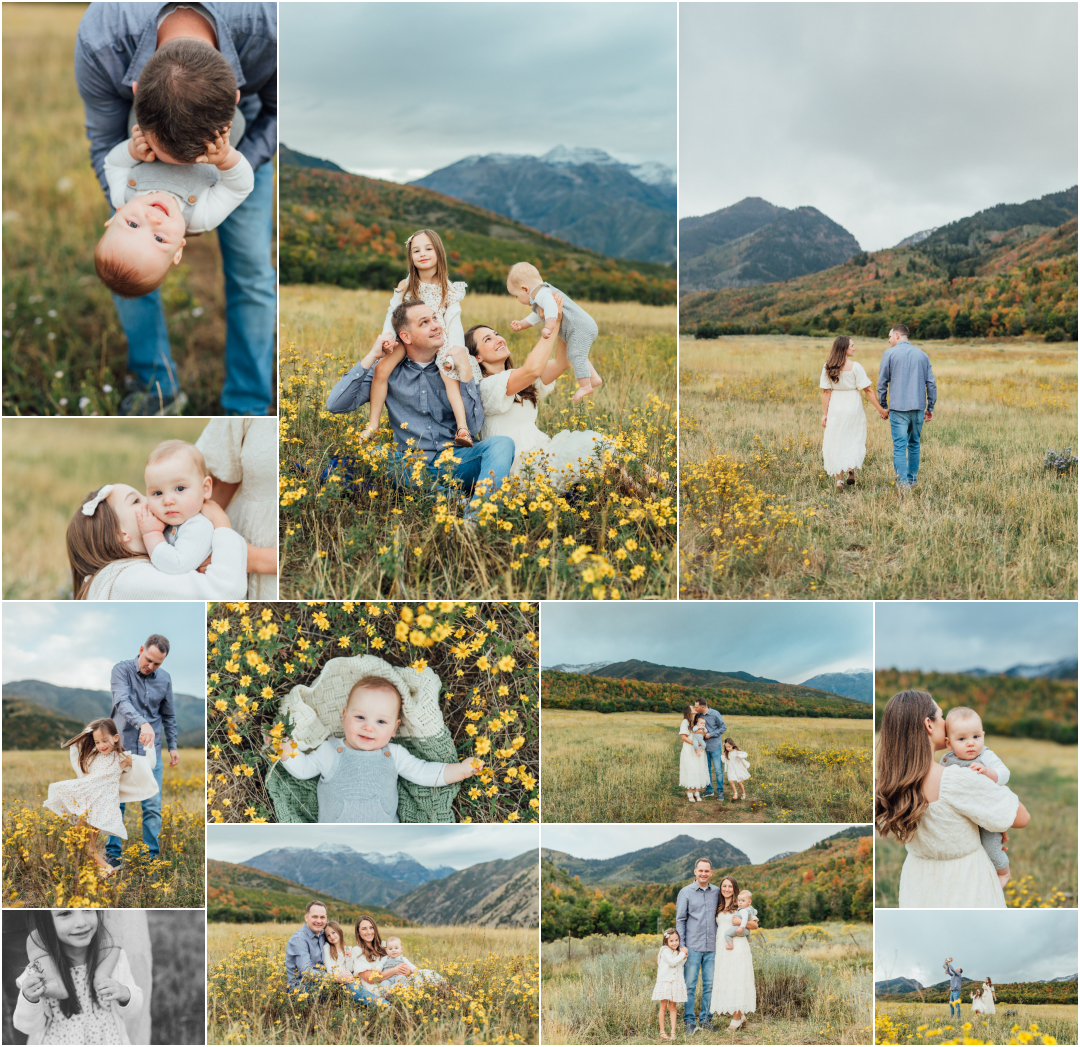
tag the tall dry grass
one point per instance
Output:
(899, 1023)
(624, 767)
(986, 520)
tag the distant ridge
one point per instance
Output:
(1063, 669)
(852, 683)
(663, 863)
(296, 159)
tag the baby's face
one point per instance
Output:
(966, 738)
(148, 233)
(175, 491)
(370, 718)
(744, 900)
(393, 950)
(520, 293)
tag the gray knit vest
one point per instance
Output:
(187, 182)
(362, 787)
(575, 321)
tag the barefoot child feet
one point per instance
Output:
(578, 330)
(670, 987)
(746, 913)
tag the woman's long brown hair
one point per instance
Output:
(375, 950)
(837, 358)
(688, 716)
(412, 288)
(723, 905)
(94, 542)
(904, 759)
(508, 364)
(86, 744)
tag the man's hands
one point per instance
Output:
(146, 736)
(929, 414)
(382, 348)
(174, 757)
(138, 146)
(147, 521)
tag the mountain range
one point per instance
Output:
(852, 683)
(1062, 669)
(584, 196)
(666, 862)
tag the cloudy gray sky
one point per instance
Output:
(948, 636)
(888, 117)
(758, 842)
(789, 642)
(1028, 944)
(76, 644)
(455, 845)
(396, 90)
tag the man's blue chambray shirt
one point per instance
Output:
(695, 917)
(115, 41)
(304, 951)
(906, 379)
(416, 402)
(954, 977)
(139, 699)
(714, 724)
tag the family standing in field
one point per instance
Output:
(983, 996)
(906, 395)
(704, 751)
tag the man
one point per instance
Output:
(420, 414)
(143, 708)
(955, 982)
(695, 920)
(907, 379)
(113, 44)
(304, 952)
(714, 729)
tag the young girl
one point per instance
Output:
(693, 767)
(94, 1008)
(337, 956)
(95, 799)
(670, 985)
(737, 767)
(427, 282)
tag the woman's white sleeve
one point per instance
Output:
(493, 394)
(311, 765)
(388, 327)
(991, 806)
(415, 770)
(125, 977)
(118, 163)
(193, 542)
(222, 445)
(223, 197)
(825, 383)
(861, 380)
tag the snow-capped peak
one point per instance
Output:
(854, 672)
(653, 173)
(577, 155)
(330, 848)
(387, 859)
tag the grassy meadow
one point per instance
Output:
(45, 859)
(362, 537)
(813, 986)
(492, 995)
(64, 351)
(760, 518)
(1042, 857)
(1013, 1023)
(821, 773)
(49, 468)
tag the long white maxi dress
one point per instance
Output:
(844, 444)
(733, 972)
(693, 770)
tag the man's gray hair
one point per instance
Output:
(899, 329)
(158, 641)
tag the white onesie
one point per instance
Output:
(185, 546)
(546, 300)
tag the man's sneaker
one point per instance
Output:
(707, 1027)
(691, 1029)
(155, 402)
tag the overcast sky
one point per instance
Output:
(431, 845)
(1007, 945)
(76, 643)
(397, 90)
(789, 642)
(950, 636)
(758, 842)
(888, 117)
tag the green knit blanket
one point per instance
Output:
(297, 799)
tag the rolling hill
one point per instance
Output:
(664, 863)
(30, 726)
(894, 986)
(852, 683)
(1056, 992)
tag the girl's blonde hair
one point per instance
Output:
(442, 278)
(88, 747)
(340, 942)
(94, 542)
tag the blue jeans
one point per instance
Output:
(245, 239)
(486, 458)
(954, 995)
(715, 763)
(906, 429)
(362, 995)
(151, 821)
(703, 963)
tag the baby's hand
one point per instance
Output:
(218, 151)
(474, 765)
(147, 521)
(517, 325)
(139, 148)
(977, 768)
(548, 331)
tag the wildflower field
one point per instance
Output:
(813, 986)
(930, 1023)
(484, 654)
(347, 532)
(491, 994)
(987, 520)
(1042, 857)
(624, 767)
(46, 863)
(64, 350)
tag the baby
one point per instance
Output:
(697, 735)
(176, 534)
(394, 956)
(966, 741)
(745, 914)
(578, 329)
(358, 773)
(160, 195)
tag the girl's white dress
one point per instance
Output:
(733, 972)
(693, 770)
(988, 1000)
(95, 797)
(738, 766)
(946, 866)
(561, 457)
(245, 451)
(670, 983)
(844, 444)
(343, 963)
(450, 318)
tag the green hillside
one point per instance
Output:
(1030, 993)
(241, 894)
(29, 726)
(350, 230)
(597, 693)
(1008, 705)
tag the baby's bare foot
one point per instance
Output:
(730, 945)
(581, 393)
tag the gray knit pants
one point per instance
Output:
(991, 843)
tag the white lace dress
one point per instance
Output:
(245, 451)
(988, 1000)
(946, 866)
(977, 1005)
(693, 770)
(561, 457)
(733, 972)
(450, 318)
(670, 983)
(844, 445)
(738, 766)
(95, 797)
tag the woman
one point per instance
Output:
(241, 456)
(693, 769)
(369, 949)
(843, 418)
(733, 991)
(936, 811)
(988, 997)
(109, 561)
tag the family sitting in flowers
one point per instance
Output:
(703, 750)
(317, 956)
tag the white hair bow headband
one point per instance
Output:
(90, 507)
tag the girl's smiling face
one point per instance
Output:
(371, 717)
(422, 253)
(331, 935)
(105, 742)
(75, 928)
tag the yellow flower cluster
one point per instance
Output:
(823, 757)
(1021, 894)
(886, 1030)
